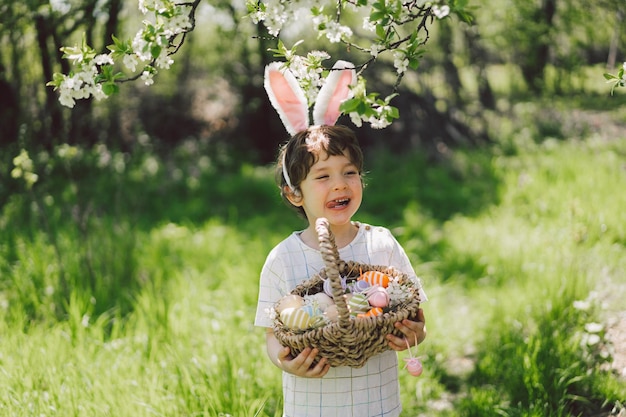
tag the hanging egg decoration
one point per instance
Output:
(378, 297)
(295, 318)
(375, 278)
(289, 301)
(414, 366)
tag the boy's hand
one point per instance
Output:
(413, 331)
(303, 365)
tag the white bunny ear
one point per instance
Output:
(287, 97)
(335, 90)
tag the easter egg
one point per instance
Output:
(358, 304)
(331, 313)
(311, 310)
(360, 285)
(375, 278)
(322, 300)
(414, 366)
(329, 290)
(374, 312)
(295, 318)
(289, 301)
(378, 297)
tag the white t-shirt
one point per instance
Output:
(371, 390)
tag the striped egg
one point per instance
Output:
(329, 290)
(295, 318)
(360, 286)
(374, 312)
(358, 304)
(375, 278)
(311, 310)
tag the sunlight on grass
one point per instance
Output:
(155, 318)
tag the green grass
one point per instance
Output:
(132, 291)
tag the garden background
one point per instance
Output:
(133, 230)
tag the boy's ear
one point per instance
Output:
(294, 197)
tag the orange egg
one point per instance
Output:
(374, 312)
(375, 278)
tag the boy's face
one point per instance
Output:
(332, 189)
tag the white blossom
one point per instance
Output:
(164, 60)
(130, 61)
(368, 25)
(335, 31)
(103, 59)
(147, 77)
(400, 62)
(375, 49)
(356, 119)
(442, 11)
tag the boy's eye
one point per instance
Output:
(321, 177)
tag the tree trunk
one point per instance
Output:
(52, 125)
(613, 47)
(537, 57)
(478, 57)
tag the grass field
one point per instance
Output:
(128, 285)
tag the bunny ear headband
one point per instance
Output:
(290, 102)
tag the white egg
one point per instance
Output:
(322, 300)
(289, 301)
(331, 313)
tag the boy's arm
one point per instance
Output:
(302, 365)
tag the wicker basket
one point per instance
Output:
(349, 341)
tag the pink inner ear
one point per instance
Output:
(341, 92)
(290, 104)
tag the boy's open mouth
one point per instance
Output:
(341, 202)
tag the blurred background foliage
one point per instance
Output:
(129, 218)
(214, 96)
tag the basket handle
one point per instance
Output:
(330, 255)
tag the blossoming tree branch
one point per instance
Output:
(396, 28)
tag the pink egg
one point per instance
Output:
(414, 366)
(378, 297)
